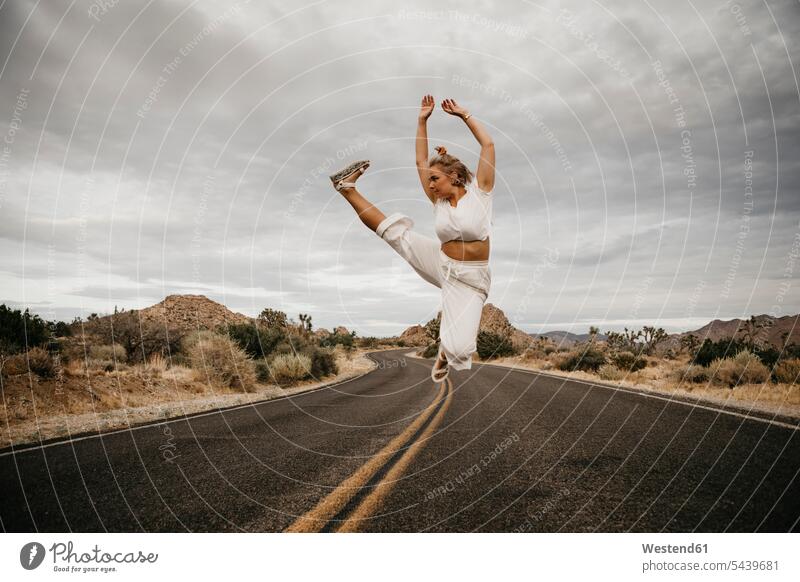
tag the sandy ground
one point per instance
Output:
(25, 423)
(776, 399)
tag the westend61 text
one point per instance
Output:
(670, 549)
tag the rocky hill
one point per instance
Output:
(767, 330)
(492, 319)
(567, 338)
(415, 336)
(189, 312)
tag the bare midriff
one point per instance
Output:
(470, 250)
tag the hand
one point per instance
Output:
(426, 108)
(450, 106)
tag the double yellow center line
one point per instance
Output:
(322, 516)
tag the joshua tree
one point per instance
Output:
(690, 342)
(624, 342)
(652, 337)
(273, 318)
(305, 323)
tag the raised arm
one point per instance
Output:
(485, 173)
(426, 108)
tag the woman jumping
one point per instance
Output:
(462, 210)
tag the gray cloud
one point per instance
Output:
(186, 147)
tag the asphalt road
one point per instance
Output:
(493, 450)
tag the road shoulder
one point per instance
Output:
(787, 413)
(55, 429)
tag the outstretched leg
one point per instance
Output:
(367, 212)
(420, 251)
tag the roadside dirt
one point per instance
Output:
(35, 410)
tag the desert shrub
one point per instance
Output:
(787, 371)
(532, 352)
(257, 340)
(20, 330)
(294, 342)
(692, 373)
(724, 348)
(140, 338)
(768, 355)
(345, 339)
(179, 373)
(492, 345)
(791, 351)
(157, 362)
(221, 359)
(588, 360)
(323, 362)
(430, 350)
(743, 368)
(59, 329)
(262, 371)
(36, 360)
(286, 369)
(41, 363)
(366, 342)
(110, 352)
(191, 340)
(610, 372)
(400, 343)
(729, 348)
(75, 348)
(628, 361)
(13, 365)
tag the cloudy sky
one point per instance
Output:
(648, 155)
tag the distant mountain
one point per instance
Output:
(567, 338)
(770, 330)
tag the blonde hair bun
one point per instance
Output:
(449, 164)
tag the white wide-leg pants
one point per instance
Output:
(464, 284)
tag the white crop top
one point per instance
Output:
(471, 219)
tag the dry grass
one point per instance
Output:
(47, 408)
(664, 377)
(743, 368)
(788, 371)
(610, 372)
(287, 369)
(221, 360)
